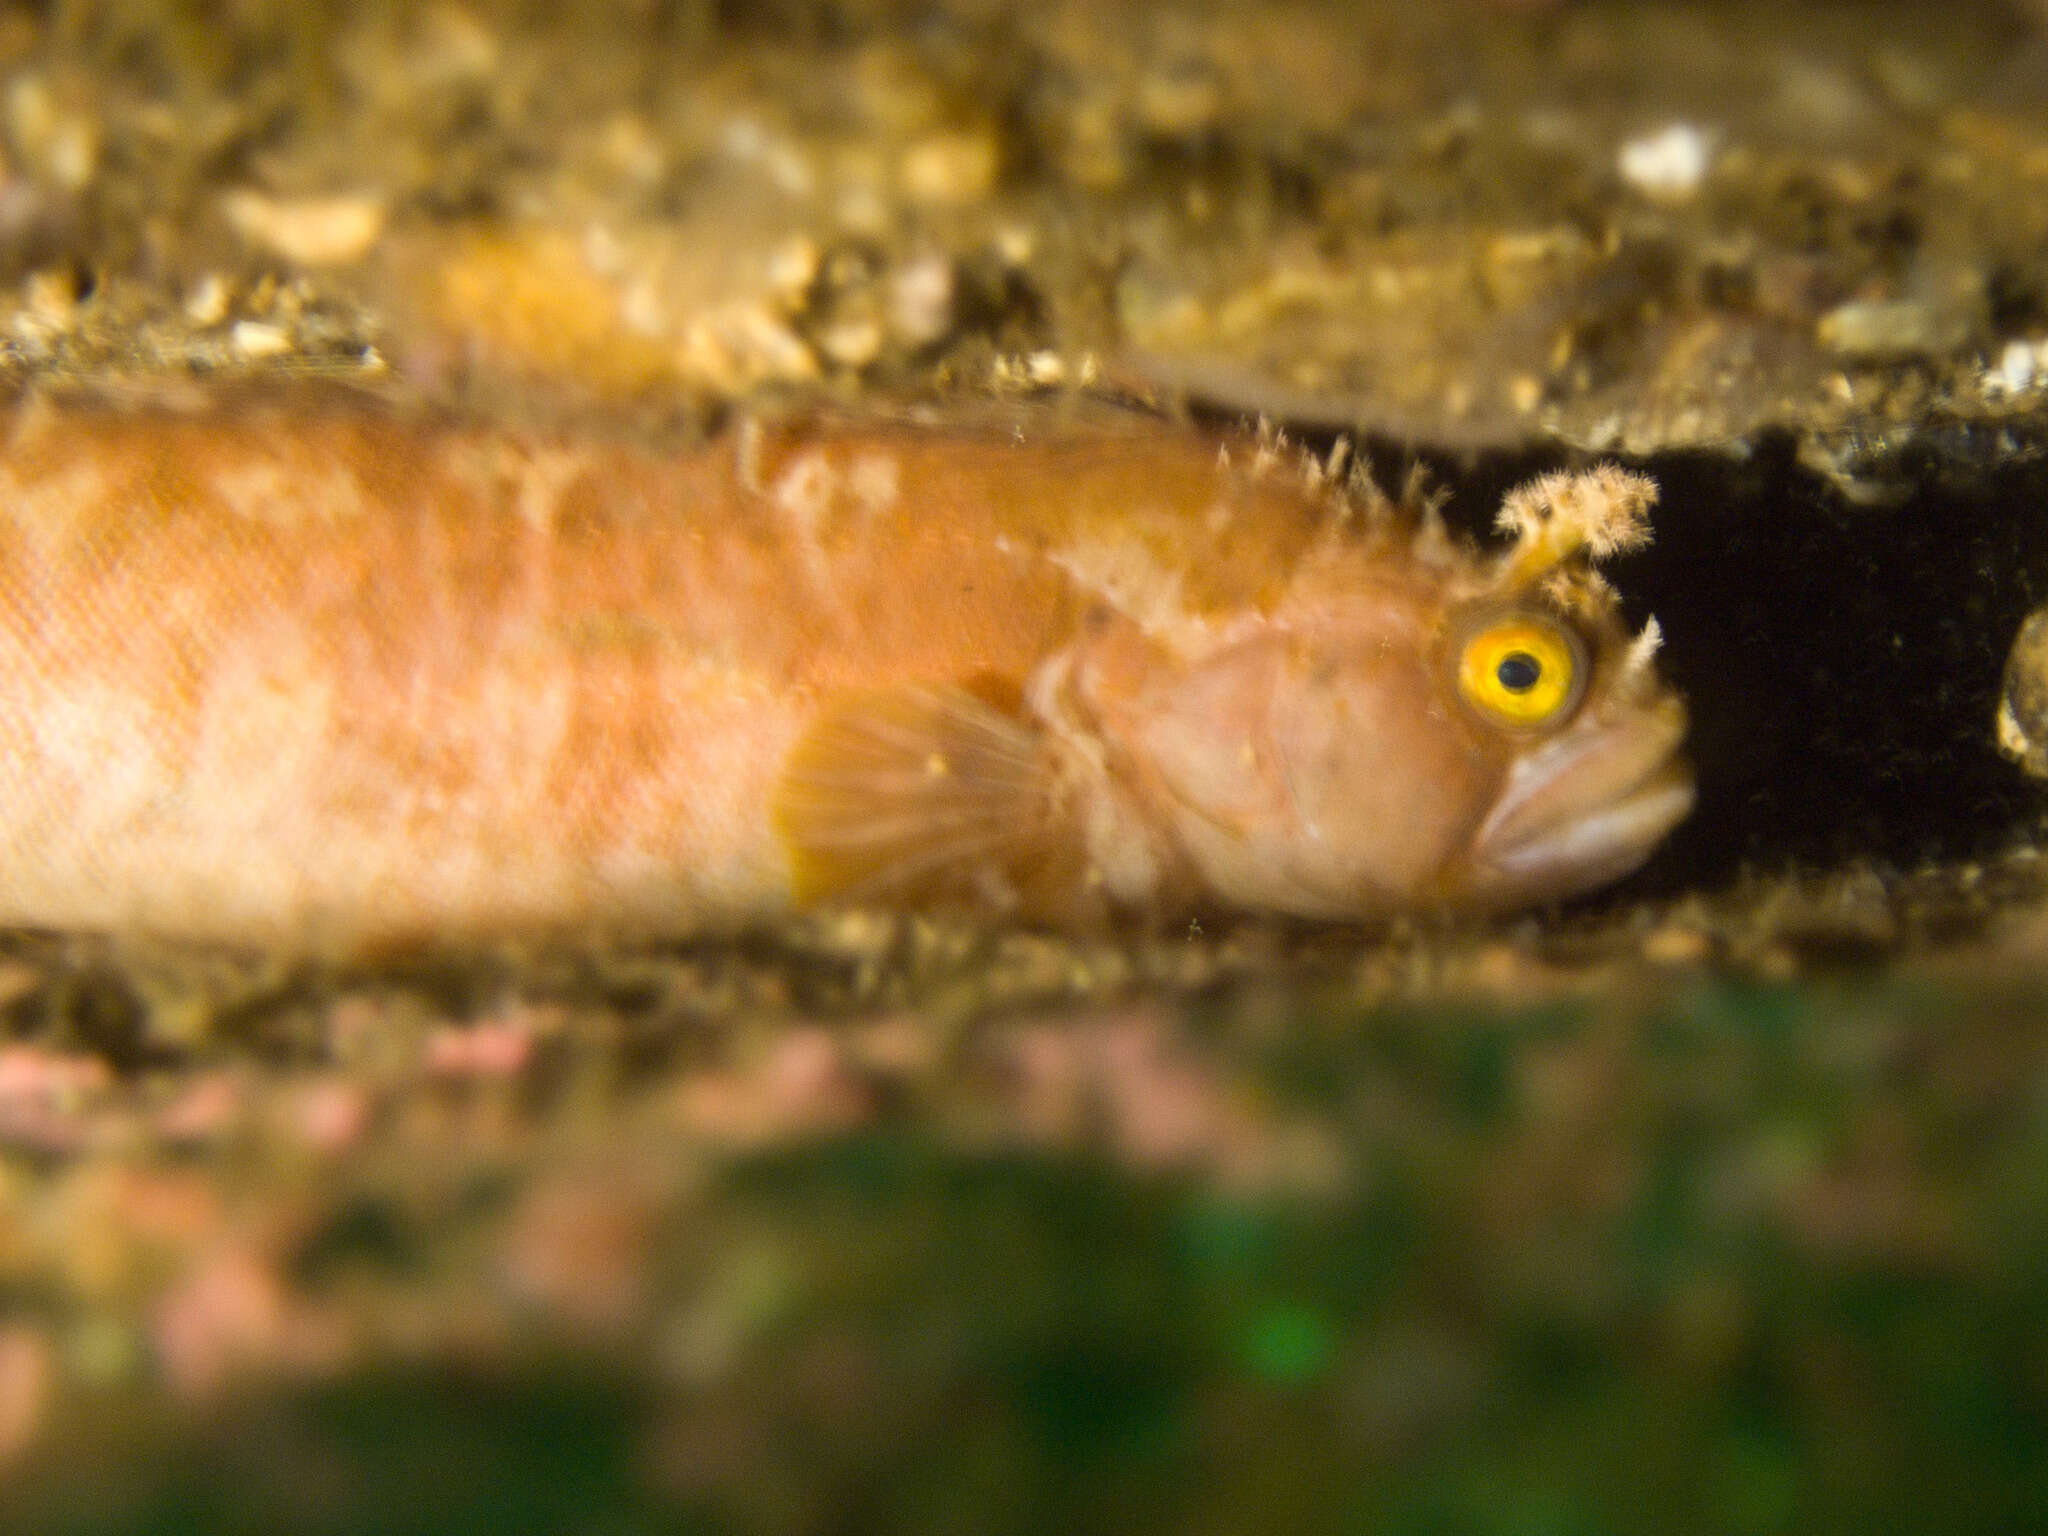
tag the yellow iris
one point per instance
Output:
(1521, 670)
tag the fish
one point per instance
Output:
(308, 674)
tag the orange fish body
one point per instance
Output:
(310, 675)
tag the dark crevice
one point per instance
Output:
(1843, 662)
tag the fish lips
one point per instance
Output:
(1587, 807)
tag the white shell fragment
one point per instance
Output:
(307, 231)
(1668, 165)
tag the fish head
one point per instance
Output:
(1579, 787)
(1409, 734)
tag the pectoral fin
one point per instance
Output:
(917, 794)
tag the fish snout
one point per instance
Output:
(1585, 808)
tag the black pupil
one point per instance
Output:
(1518, 671)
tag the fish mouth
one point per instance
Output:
(1586, 808)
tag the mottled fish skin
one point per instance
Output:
(333, 677)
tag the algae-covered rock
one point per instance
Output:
(1598, 227)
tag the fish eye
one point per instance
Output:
(1521, 670)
